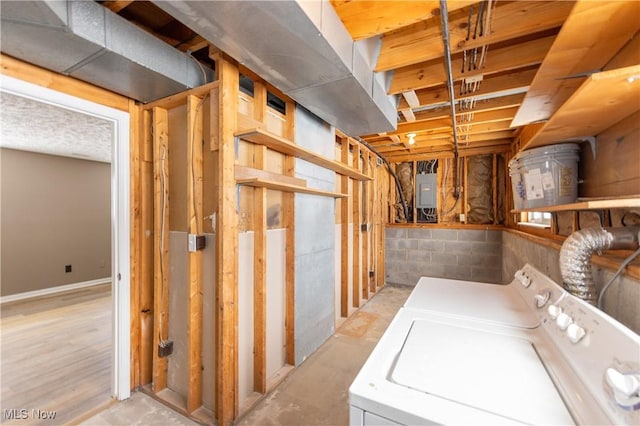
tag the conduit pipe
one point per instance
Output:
(444, 19)
(576, 252)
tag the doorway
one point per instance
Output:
(120, 219)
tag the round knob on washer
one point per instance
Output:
(554, 311)
(542, 298)
(575, 332)
(626, 384)
(563, 321)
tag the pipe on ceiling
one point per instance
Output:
(84, 40)
(444, 20)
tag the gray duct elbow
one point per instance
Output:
(576, 252)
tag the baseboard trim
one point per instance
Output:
(53, 290)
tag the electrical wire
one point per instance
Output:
(193, 172)
(204, 74)
(163, 180)
(616, 275)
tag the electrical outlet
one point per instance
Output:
(67, 268)
(462, 218)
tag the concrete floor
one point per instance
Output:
(315, 393)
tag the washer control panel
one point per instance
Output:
(537, 289)
(603, 352)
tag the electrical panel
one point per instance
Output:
(426, 190)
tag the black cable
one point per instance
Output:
(393, 173)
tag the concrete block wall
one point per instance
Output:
(621, 300)
(411, 253)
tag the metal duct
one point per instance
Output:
(576, 252)
(87, 41)
(303, 49)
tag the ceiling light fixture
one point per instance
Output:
(412, 138)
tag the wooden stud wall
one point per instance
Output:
(227, 249)
(161, 244)
(195, 262)
(344, 233)
(151, 261)
(355, 209)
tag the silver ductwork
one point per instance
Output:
(302, 48)
(89, 42)
(576, 252)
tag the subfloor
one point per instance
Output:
(315, 393)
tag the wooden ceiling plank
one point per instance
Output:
(429, 74)
(429, 153)
(423, 41)
(491, 85)
(366, 18)
(587, 41)
(604, 99)
(483, 105)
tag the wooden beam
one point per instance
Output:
(483, 105)
(227, 250)
(344, 234)
(590, 37)
(366, 204)
(195, 214)
(494, 85)
(147, 252)
(244, 173)
(366, 18)
(603, 100)
(288, 218)
(422, 42)
(356, 201)
(160, 244)
(23, 71)
(136, 220)
(260, 280)
(444, 152)
(432, 73)
(259, 252)
(444, 124)
(288, 187)
(285, 146)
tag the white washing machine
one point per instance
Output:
(526, 353)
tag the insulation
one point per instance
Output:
(479, 192)
(405, 175)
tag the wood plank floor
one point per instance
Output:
(55, 356)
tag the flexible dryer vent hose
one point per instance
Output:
(576, 252)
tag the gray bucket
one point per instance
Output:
(549, 175)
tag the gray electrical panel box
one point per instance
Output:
(426, 191)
